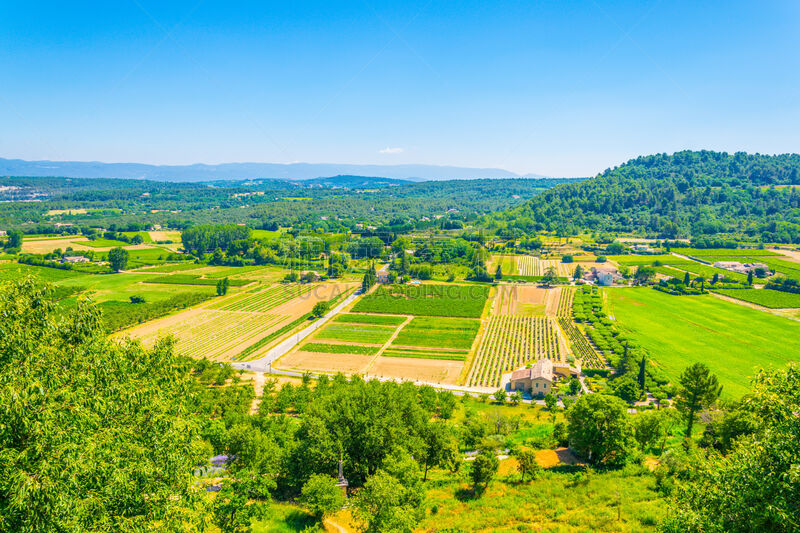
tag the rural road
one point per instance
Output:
(264, 364)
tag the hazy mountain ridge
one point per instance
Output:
(244, 171)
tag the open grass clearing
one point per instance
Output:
(733, 340)
(611, 501)
(172, 268)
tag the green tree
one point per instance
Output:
(550, 276)
(578, 274)
(687, 279)
(118, 258)
(750, 278)
(370, 278)
(14, 239)
(222, 286)
(644, 274)
(322, 496)
(528, 465)
(439, 446)
(500, 396)
(516, 398)
(498, 274)
(574, 386)
(551, 401)
(626, 388)
(699, 388)
(392, 499)
(484, 468)
(642, 378)
(650, 427)
(756, 486)
(600, 430)
(321, 308)
(96, 433)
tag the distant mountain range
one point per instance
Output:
(244, 171)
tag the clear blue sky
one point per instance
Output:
(552, 87)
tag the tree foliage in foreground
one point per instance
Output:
(94, 434)
(756, 487)
(600, 429)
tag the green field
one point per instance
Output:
(765, 297)
(733, 340)
(193, 279)
(380, 320)
(426, 300)
(733, 252)
(340, 348)
(438, 333)
(355, 333)
(11, 271)
(173, 267)
(635, 260)
(104, 243)
(426, 354)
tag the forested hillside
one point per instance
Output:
(680, 195)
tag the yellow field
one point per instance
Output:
(528, 265)
(223, 328)
(174, 236)
(54, 212)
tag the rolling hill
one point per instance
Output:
(690, 193)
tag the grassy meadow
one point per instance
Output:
(733, 340)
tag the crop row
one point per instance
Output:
(340, 348)
(264, 300)
(510, 342)
(426, 300)
(528, 265)
(413, 354)
(565, 301)
(581, 347)
(212, 333)
(766, 297)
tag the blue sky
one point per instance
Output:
(557, 88)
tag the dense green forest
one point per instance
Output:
(259, 204)
(685, 194)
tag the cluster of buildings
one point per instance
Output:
(537, 380)
(604, 276)
(741, 268)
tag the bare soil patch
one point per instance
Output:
(432, 370)
(549, 458)
(324, 362)
(551, 300)
(304, 303)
